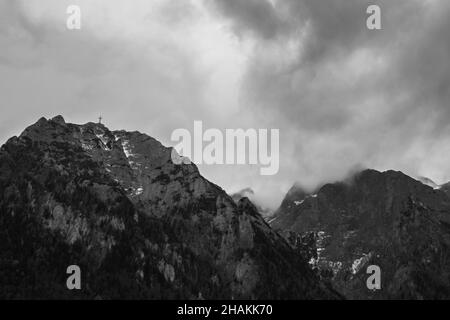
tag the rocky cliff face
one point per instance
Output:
(138, 225)
(386, 219)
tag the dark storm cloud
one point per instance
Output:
(258, 17)
(378, 97)
(331, 32)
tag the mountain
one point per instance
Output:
(445, 188)
(428, 182)
(244, 193)
(138, 226)
(386, 219)
(295, 196)
(249, 193)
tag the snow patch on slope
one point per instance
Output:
(104, 141)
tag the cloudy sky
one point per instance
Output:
(343, 96)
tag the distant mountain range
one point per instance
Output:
(382, 218)
(138, 226)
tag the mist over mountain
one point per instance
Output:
(250, 194)
(386, 219)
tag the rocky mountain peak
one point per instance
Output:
(59, 119)
(138, 225)
(382, 218)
